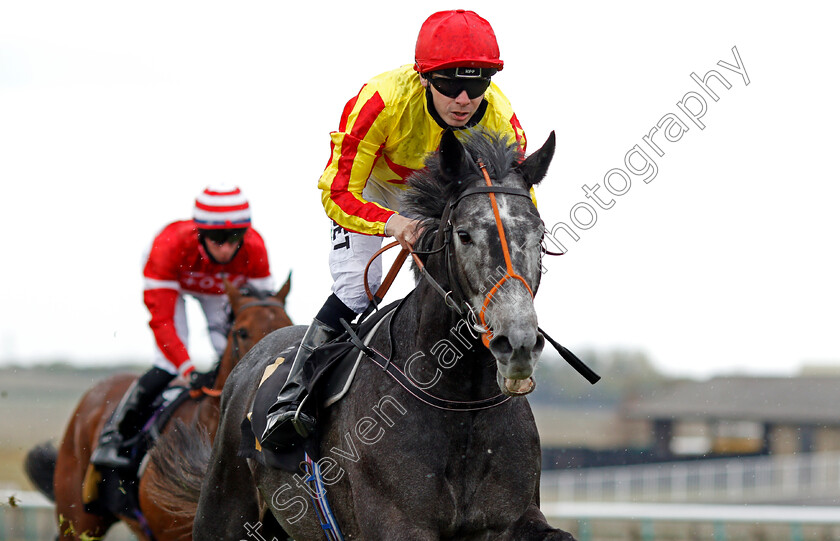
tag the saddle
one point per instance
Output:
(329, 374)
(112, 491)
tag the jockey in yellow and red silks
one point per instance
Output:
(384, 135)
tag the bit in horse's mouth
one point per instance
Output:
(516, 387)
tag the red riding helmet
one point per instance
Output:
(456, 38)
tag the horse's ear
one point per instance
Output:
(535, 166)
(232, 293)
(452, 156)
(281, 295)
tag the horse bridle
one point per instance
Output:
(487, 333)
(236, 350)
(455, 298)
(262, 302)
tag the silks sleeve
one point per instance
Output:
(355, 147)
(160, 294)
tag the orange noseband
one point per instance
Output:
(488, 335)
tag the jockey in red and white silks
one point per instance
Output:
(177, 265)
(190, 257)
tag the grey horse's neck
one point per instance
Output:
(440, 347)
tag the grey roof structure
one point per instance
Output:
(810, 400)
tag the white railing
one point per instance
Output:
(781, 478)
(651, 522)
(26, 516)
(29, 516)
(32, 518)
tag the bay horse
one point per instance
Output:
(61, 476)
(450, 450)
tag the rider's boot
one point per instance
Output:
(128, 418)
(286, 408)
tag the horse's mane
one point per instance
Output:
(430, 191)
(248, 290)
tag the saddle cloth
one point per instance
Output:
(329, 373)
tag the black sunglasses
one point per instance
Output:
(452, 88)
(224, 236)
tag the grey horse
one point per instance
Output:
(451, 451)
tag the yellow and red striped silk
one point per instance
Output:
(385, 133)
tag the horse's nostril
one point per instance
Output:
(500, 347)
(540, 342)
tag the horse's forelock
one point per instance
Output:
(430, 193)
(249, 290)
(498, 153)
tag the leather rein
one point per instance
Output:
(236, 349)
(454, 298)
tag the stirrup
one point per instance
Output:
(300, 423)
(107, 453)
(288, 406)
(278, 432)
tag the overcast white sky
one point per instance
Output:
(114, 115)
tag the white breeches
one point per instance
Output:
(215, 308)
(351, 252)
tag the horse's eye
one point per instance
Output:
(242, 333)
(464, 237)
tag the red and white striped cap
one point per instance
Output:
(221, 208)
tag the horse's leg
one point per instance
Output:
(272, 529)
(73, 521)
(392, 522)
(532, 526)
(70, 469)
(399, 526)
(228, 498)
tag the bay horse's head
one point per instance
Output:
(255, 314)
(475, 191)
